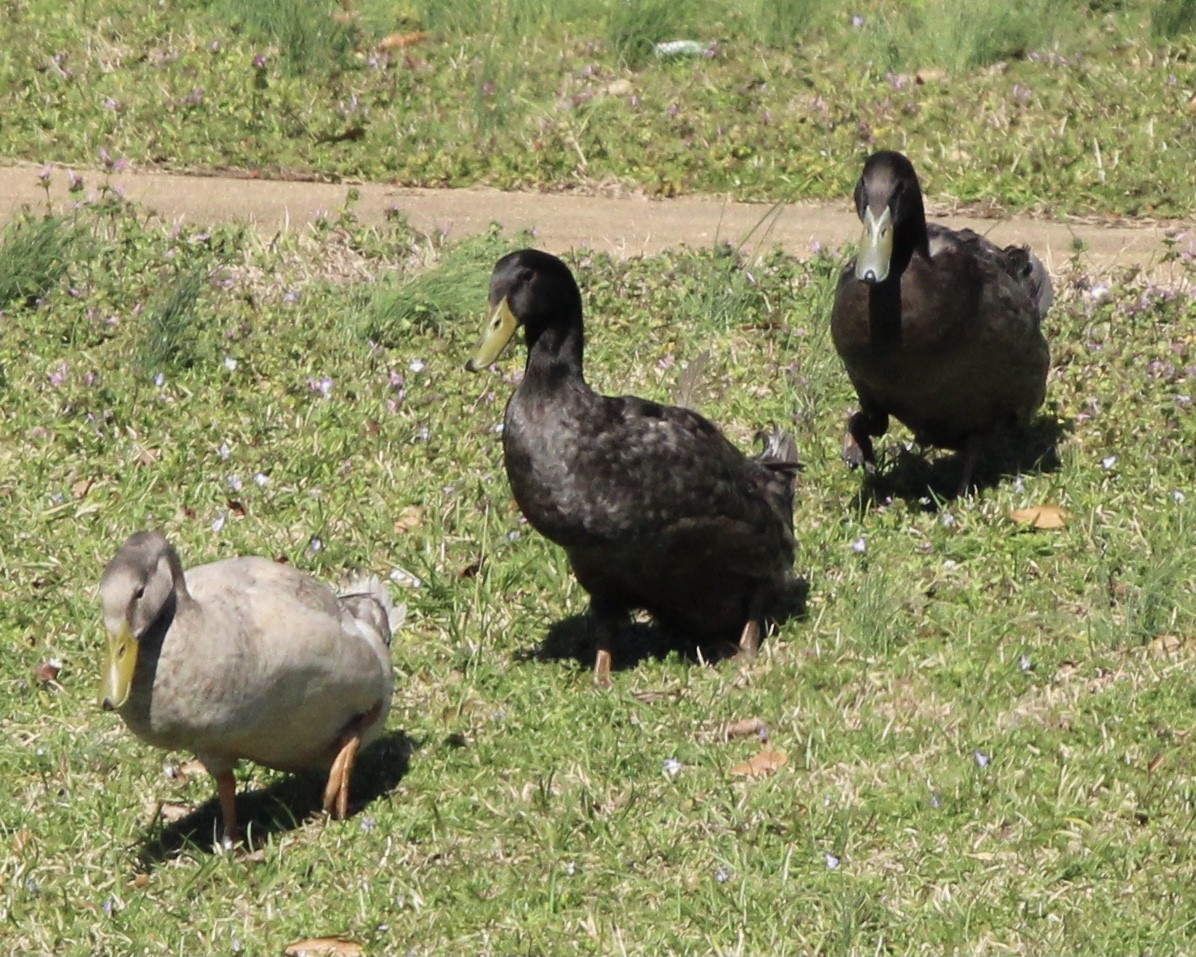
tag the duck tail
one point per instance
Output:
(1032, 274)
(778, 456)
(368, 601)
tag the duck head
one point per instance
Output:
(528, 288)
(888, 201)
(136, 589)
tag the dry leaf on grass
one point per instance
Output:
(411, 517)
(1164, 646)
(47, 671)
(760, 765)
(80, 488)
(1041, 516)
(324, 947)
(191, 769)
(172, 811)
(400, 41)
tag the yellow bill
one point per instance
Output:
(119, 669)
(500, 328)
(876, 247)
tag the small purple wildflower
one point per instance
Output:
(218, 524)
(1108, 462)
(75, 184)
(1022, 95)
(321, 386)
(260, 61)
(261, 479)
(43, 175)
(982, 759)
(315, 545)
(860, 545)
(672, 768)
(234, 483)
(224, 451)
(857, 21)
(416, 365)
(722, 873)
(832, 862)
(291, 295)
(59, 374)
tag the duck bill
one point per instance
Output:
(500, 328)
(119, 669)
(876, 247)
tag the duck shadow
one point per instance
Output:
(572, 638)
(924, 480)
(282, 806)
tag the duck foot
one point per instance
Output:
(857, 443)
(336, 791)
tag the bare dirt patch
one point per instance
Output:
(623, 226)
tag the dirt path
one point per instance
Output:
(625, 226)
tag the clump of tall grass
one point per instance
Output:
(172, 324)
(958, 36)
(783, 24)
(34, 255)
(634, 27)
(1173, 18)
(308, 35)
(452, 289)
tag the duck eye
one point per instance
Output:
(139, 593)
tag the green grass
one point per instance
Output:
(987, 727)
(1054, 107)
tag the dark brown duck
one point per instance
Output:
(655, 508)
(939, 328)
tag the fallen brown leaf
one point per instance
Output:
(80, 488)
(400, 41)
(1157, 760)
(237, 508)
(471, 570)
(411, 517)
(47, 671)
(191, 769)
(1041, 516)
(324, 947)
(20, 840)
(742, 729)
(171, 811)
(139, 881)
(1164, 646)
(760, 765)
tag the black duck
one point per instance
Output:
(655, 508)
(937, 327)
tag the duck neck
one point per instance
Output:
(554, 352)
(884, 311)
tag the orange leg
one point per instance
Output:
(602, 660)
(336, 791)
(226, 788)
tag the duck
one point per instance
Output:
(246, 658)
(939, 328)
(655, 508)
